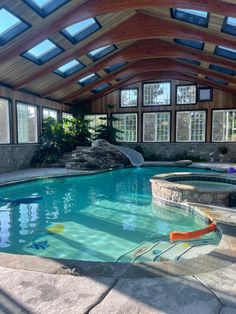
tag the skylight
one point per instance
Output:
(229, 26)
(89, 79)
(196, 17)
(225, 52)
(78, 31)
(100, 88)
(114, 67)
(218, 81)
(101, 52)
(196, 62)
(10, 26)
(45, 7)
(220, 69)
(43, 52)
(190, 43)
(69, 68)
(122, 77)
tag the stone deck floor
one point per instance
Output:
(23, 291)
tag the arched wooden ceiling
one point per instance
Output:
(144, 34)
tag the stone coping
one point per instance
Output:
(224, 255)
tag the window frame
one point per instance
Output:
(188, 46)
(156, 82)
(83, 85)
(206, 119)
(222, 48)
(75, 69)
(176, 97)
(10, 117)
(170, 126)
(206, 22)
(137, 124)
(212, 111)
(41, 12)
(120, 97)
(225, 27)
(204, 88)
(38, 121)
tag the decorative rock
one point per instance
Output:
(183, 163)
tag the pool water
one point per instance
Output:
(103, 217)
(208, 184)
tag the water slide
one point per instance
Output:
(135, 157)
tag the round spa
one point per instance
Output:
(204, 188)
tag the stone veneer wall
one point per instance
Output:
(169, 151)
(15, 157)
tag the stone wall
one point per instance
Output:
(214, 152)
(15, 157)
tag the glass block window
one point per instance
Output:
(186, 94)
(69, 68)
(127, 124)
(157, 94)
(43, 52)
(221, 69)
(89, 79)
(156, 127)
(100, 88)
(79, 31)
(225, 52)
(45, 7)
(229, 26)
(95, 120)
(67, 116)
(190, 126)
(27, 123)
(10, 26)
(190, 43)
(196, 17)
(101, 52)
(129, 97)
(4, 121)
(224, 125)
(50, 113)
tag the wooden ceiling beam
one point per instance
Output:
(150, 65)
(139, 26)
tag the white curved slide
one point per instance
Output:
(135, 157)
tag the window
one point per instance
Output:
(190, 43)
(95, 120)
(101, 52)
(196, 17)
(191, 126)
(10, 26)
(45, 7)
(121, 78)
(229, 26)
(49, 113)
(43, 52)
(216, 80)
(220, 69)
(114, 67)
(100, 88)
(79, 31)
(4, 121)
(27, 123)
(186, 94)
(156, 127)
(189, 61)
(205, 94)
(224, 125)
(69, 68)
(88, 79)
(129, 97)
(67, 116)
(127, 124)
(225, 52)
(156, 94)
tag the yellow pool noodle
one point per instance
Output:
(58, 228)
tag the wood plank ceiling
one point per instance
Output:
(144, 33)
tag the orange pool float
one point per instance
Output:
(175, 236)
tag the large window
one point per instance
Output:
(191, 126)
(67, 116)
(50, 113)
(224, 126)
(4, 121)
(127, 124)
(27, 123)
(156, 94)
(129, 97)
(95, 120)
(186, 94)
(156, 127)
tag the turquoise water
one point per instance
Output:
(100, 217)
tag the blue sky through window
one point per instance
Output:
(80, 26)
(231, 21)
(42, 48)
(68, 66)
(8, 21)
(96, 51)
(41, 3)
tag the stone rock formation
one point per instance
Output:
(101, 155)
